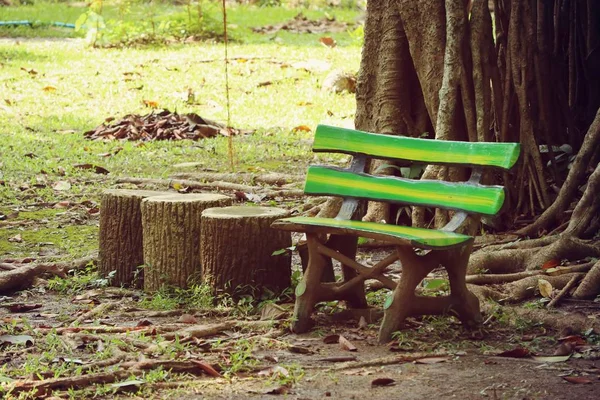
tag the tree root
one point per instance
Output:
(564, 291)
(526, 288)
(22, 276)
(588, 288)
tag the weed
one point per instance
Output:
(241, 359)
(78, 281)
(294, 374)
(377, 298)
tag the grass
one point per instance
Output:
(53, 91)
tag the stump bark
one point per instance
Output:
(237, 251)
(171, 237)
(120, 236)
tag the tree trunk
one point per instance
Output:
(171, 236)
(237, 251)
(120, 237)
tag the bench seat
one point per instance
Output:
(395, 234)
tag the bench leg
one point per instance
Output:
(463, 302)
(460, 302)
(307, 291)
(403, 301)
(347, 245)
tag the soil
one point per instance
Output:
(465, 364)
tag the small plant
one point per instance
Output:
(241, 359)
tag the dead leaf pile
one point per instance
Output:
(163, 125)
(301, 24)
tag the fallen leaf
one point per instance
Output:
(577, 379)
(62, 204)
(61, 186)
(19, 308)
(331, 339)
(550, 264)
(574, 339)
(275, 370)
(150, 103)
(97, 169)
(49, 89)
(144, 322)
(551, 359)
(30, 71)
(301, 128)
(328, 41)
(518, 352)
(272, 311)
(431, 360)
(564, 349)
(282, 389)
(338, 359)
(16, 239)
(299, 349)
(346, 345)
(16, 339)
(383, 382)
(206, 367)
(545, 288)
(187, 319)
(362, 323)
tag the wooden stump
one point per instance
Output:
(237, 246)
(120, 236)
(171, 232)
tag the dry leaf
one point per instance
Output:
(331, 339)
(346, 345)
(61, 186)
(187, 319)
(328, 41)
(550, 264)
(18, 308)
(16, 239)
(49, 89)
(206, 367)
(545, 288)
(383, 382)
(150, 103)
(97, 169)
(431, 360)
(518, 352)
(301, 128)
(577, 379)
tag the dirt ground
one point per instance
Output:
(433, 358)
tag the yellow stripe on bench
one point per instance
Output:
(455, 196)
(418, 237)
(340, 140)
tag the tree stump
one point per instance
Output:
(237, 246)
(171, 235)
(120, 236)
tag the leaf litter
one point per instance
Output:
(161, 125)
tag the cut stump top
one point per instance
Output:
(187, 198)
(244, 212)
(135, 193)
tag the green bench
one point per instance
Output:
(336, 238)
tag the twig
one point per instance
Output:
(397, 359)
(564, 291)
(217, 185)
(199, 331)
(100, 309)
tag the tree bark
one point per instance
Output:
(171, 237)
(237, 246)
(120, 236)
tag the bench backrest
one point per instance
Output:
(470, 197)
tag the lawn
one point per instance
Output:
(54, 90)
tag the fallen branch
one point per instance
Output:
(127, 369)
(564, 291)
(273, 179)
(199, 331)
(396, 359)
(100, 309)
(217, 185)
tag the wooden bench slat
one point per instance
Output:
(402, 235)
(349, 141)
(455, 196)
